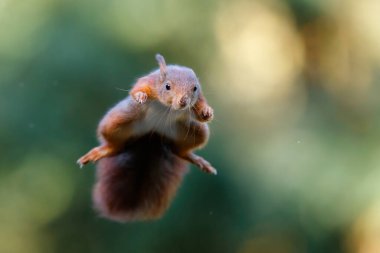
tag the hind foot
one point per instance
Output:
(94, 155)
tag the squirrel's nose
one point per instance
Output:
(184, 101)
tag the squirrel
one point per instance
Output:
(146, 141)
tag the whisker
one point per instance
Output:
(170, 116)
(188, 124)
(167, 117)
(209, 93)
(121, 89)
(157, 120)
(216, 121)
(194, 135)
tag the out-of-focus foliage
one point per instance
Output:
(294, 85)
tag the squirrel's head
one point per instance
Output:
(178, 86)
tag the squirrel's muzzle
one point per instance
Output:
(184, 101)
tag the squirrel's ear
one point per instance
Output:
(161, 62)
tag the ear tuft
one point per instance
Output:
(161, 62)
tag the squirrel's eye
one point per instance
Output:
(167, 86)
(195, 88)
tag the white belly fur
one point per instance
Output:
(158, 118)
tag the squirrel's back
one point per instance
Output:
(139, 183)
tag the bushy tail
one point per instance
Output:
(139, 183)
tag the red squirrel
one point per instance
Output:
(145, 141)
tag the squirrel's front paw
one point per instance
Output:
(140, 97)
(206, 114)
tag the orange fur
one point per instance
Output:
(144, 85)
(202, 110)
(140, 164)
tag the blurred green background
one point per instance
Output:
(294, 85)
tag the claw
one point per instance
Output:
(207, 113)
(213, 171)
(80, 164)
(205, 166)
(141, 97)
(94, 155)
(210, 170)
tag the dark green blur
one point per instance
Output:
(294, 85)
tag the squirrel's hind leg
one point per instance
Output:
(114, 130)
(95, 154)
(193, 136)
(199, 161)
